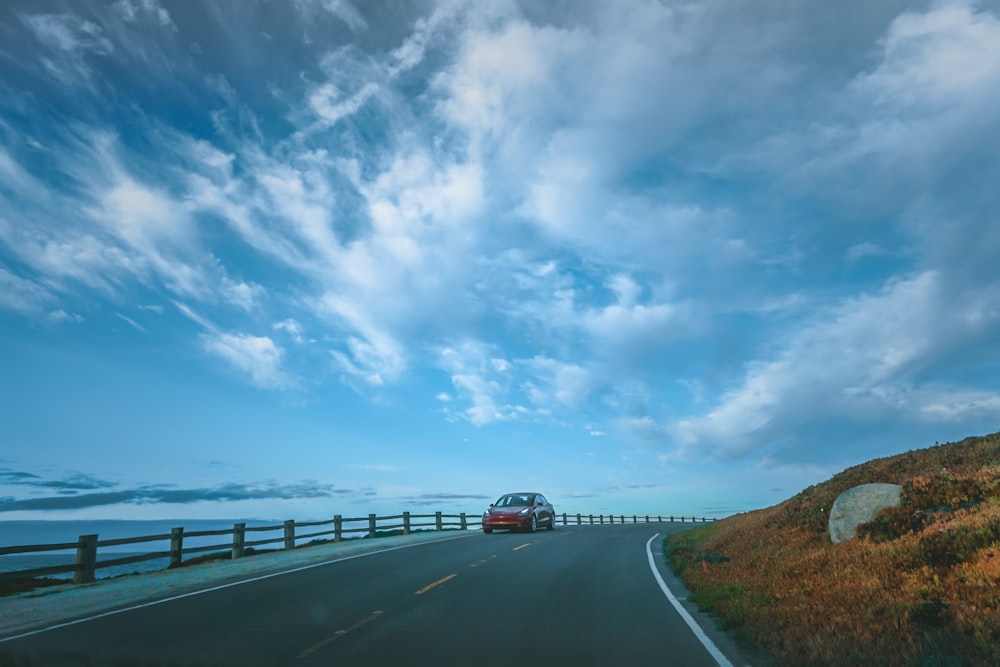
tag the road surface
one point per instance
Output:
(578, 595)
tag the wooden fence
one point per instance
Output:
(332, 530)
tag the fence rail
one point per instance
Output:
(86, 546)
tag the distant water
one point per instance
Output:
(13, 563)
(20, 533)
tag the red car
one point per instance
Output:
(520, 511)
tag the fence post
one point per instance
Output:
(465, 526)
(406, 523)
(591, 519)
(623, 518)
(289, 534)
(371, 525)
(671, 518)
(176, 546)
(634, 519)
(564, 518)
(86, 559)
(647, 518)
(437, 521)
(239, 539)
(578, 519)
(601, 517)
(338, 528)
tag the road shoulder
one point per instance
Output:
(729, 643)
(43, 608)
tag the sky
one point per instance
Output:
(291, 259)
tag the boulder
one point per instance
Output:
(860, 505)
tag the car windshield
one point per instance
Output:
(514, 501)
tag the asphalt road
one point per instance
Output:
(574, 596)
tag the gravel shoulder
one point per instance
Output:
(36, 610)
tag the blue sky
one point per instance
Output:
(295, 259)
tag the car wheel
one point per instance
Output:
(534, 524)
(487, 530)
(552, 522)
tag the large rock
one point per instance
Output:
(859, 505)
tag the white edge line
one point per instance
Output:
(709, 645)
(219, 588)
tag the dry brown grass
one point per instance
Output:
(919, 586)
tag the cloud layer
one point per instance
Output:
(709, 230)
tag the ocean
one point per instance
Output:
(21, 533)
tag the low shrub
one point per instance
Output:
(955, 544)
(919, 586)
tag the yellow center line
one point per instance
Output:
(436, 583)
(526, 544)
(338, 634)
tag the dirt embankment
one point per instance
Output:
(920, 585)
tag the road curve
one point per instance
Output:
(579, 595)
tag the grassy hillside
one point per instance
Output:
(919, 586)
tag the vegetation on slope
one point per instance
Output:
(920, 585)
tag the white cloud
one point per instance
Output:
(292, 328)
(503, 79)
(132, 323)
(376, 361)
(626, 325)
(958, 405)
(21, 294)
(72, 45)
(854, 362)
(133, 10)
(62, 316)
(558, 207)
(328, 103)
(940, 59)
(500, 365)
(926, 103)
(143, 217)
(559, 385)
(239, 293)
(862, 250)
(374, 355)
(342, 9)
(256, 357)
(479, 382)
(69, 33)
(411, 52)
(189, 313)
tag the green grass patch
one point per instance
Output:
(684, 549)
(729, 603)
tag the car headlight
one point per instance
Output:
(525, 511)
